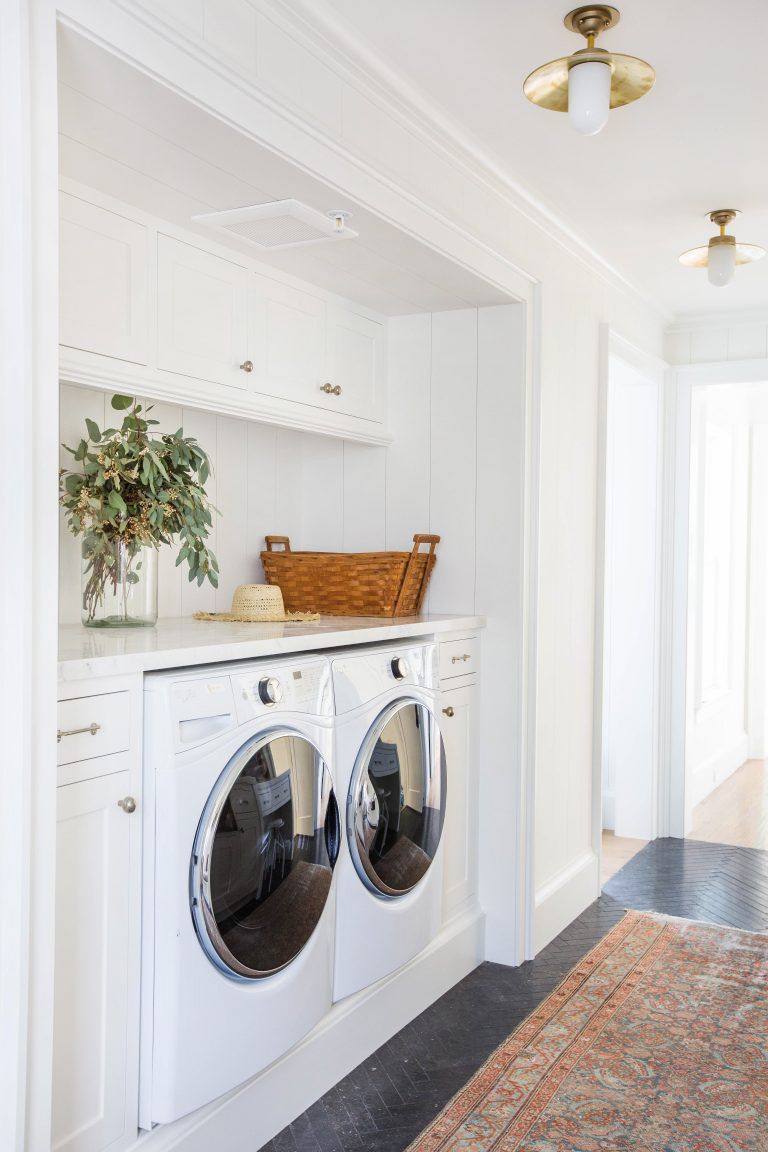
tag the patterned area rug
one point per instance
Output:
(656, 1042)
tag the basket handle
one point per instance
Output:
(425, 538)
(284, 540)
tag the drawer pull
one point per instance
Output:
(449, 711)
(330, 389)
(461, 659)
(128, 805)
(246, 366)
(92, 728)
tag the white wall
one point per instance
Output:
(630, 682)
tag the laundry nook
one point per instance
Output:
(384, 589)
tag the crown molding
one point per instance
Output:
(314, 25)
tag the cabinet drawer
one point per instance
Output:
(459, 657)
(92, 726)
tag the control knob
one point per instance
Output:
(400, 668)
(270, 690)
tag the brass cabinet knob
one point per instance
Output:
(128, 805)
(449, 711)
(461, 659)
(331, 389)
(247, 366)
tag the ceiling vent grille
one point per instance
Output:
(280, 224)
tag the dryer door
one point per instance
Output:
(264, 856)
(396, 803)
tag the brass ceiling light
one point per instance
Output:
(589, 83)
(722, 254)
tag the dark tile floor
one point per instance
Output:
(386, 1101)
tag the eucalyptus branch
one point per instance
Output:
(140, 488)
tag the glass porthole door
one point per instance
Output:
(397, 799)
(264, 856)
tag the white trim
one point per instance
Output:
(28, 597)
(266, 1104)
(574, 887)
(530, 631)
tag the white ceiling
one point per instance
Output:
(638, 192)
(135, 140)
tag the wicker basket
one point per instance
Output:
(350, 583)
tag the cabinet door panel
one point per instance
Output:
(103, 281)
(93, 976)
(201, 314)
(288, 341)
(460, 831)
(356, 364)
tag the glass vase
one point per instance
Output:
(119, 584)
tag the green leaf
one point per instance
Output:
(120, 403)
(115, 500)
(93, 430)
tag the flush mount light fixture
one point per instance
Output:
(722, 254)
(589, 83)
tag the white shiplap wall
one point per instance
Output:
(320, 491)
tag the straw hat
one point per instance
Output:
(257, 603)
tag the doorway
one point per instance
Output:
(725, 770)
(628, 732)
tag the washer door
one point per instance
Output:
(264, 855)
(396, 803)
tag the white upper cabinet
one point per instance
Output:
(201, 314)
(103, 282)
(150, 310)
(356, 363)
(288, 340)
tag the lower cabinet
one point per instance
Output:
(458, 722)
(96, 971)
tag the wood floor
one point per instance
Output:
(617, 851)
(737, 811)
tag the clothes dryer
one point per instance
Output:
(391, 771)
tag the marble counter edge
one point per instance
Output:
(193, 650)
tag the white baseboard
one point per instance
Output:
(562, 898)
(356, 1027)
(709, 775)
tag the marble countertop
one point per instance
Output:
(181, 642)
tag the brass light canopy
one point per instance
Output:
(744, 253)
(631, 77)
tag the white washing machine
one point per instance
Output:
(391, 774)
(241, 833)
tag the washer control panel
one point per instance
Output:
(360, 677)
(301, 687)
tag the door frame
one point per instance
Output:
(615, 346)
(685, 378)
